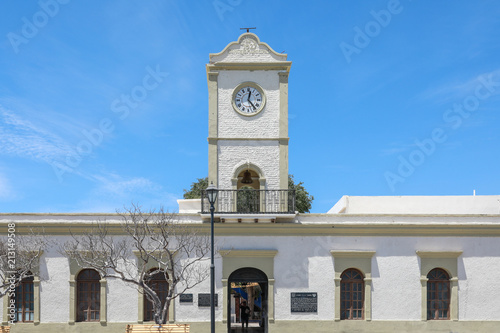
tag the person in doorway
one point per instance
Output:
(245, 313)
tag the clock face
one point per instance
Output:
(248, 99)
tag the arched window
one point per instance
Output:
(25, 301)
(438, 294)
(88, 289)
(160, 285)
(352, 288)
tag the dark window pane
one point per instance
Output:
(159, 284)
(352, 286)
(88, 295)
(438, 296)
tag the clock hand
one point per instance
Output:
(249, 101)
(252, 105)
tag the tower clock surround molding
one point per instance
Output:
(258, 102)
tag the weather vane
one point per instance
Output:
(248, 29)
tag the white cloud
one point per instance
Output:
(114, 192)
(457, 90)
(113, 184)
(6, 191)
(396, 148)
(20, 137)
(26, 139)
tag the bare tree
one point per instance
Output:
(20, 257)
(158, 240)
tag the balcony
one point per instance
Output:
(251, 202)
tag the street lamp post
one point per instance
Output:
(212, 197)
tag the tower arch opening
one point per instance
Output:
(248, 171)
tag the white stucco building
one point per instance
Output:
(370, 264)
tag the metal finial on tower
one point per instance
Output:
(247, 29)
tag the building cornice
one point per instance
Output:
(213, 140)
(434, 229)
(249, 66)
(352, 254)
(439, 254)
(248, 253)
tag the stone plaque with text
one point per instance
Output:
(186, 298)
(204, 299)
(304, 302)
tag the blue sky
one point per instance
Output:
(385, 97)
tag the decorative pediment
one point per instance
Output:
(248, 48)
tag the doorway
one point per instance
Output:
(249, 285)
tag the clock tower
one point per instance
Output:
(248, 116)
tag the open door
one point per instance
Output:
(248, 285)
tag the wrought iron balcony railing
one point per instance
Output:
(250, 201)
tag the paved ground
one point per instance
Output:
(253, 327)
(247, 330)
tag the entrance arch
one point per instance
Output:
(261, 260)
(250, 285)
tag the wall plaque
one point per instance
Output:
(204, 299)
(186, 298)
(304, 302)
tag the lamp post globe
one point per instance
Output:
(211, 194)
